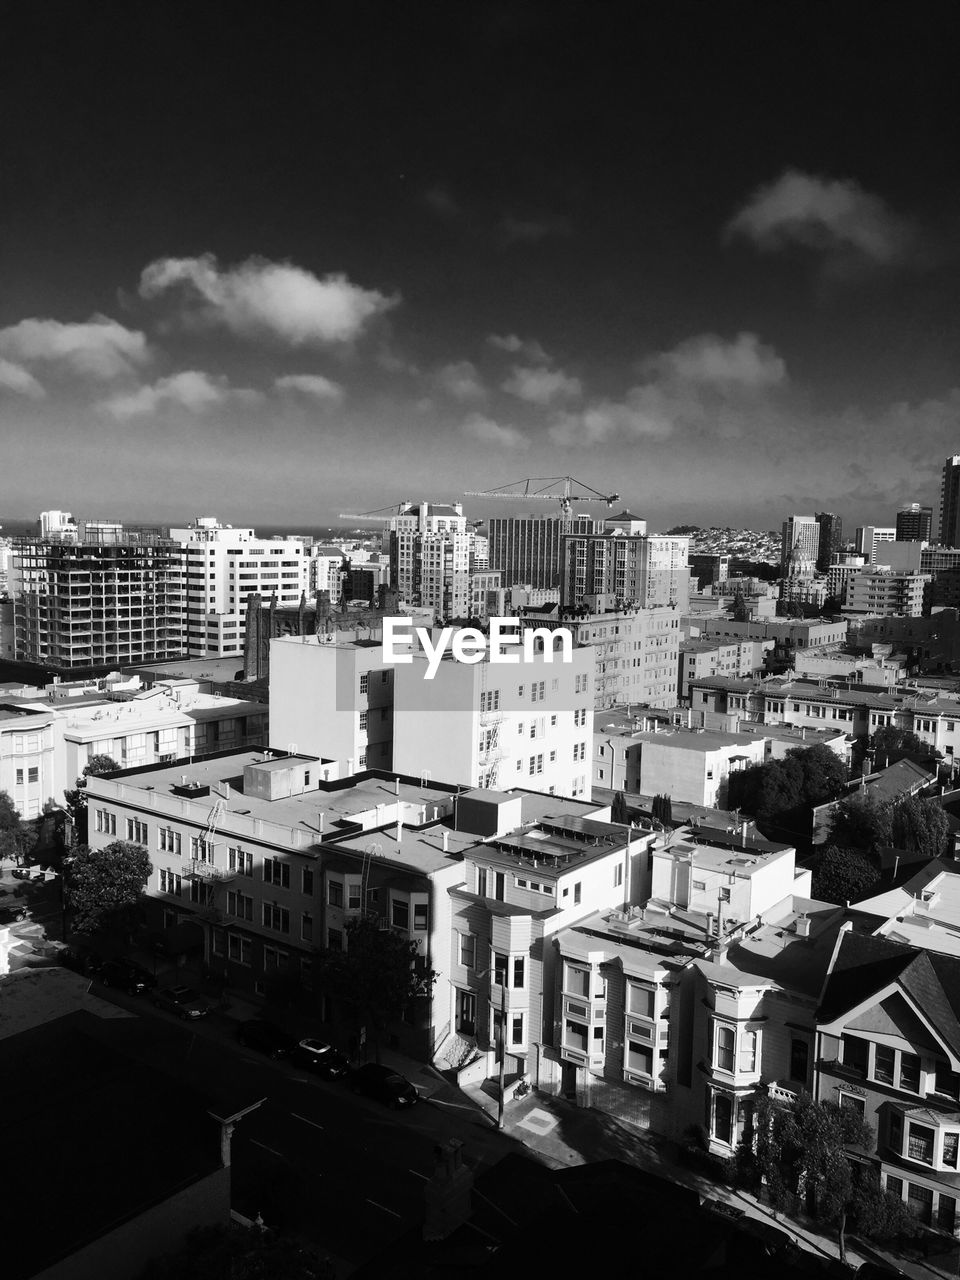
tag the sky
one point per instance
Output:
(279, 263)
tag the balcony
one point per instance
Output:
(197, 869)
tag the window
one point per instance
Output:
(136, 830)
(240, 950)
(855, 1053)
(748, 1050)
(468, 950)
(335, 893)
(724, 895)
(639, 1058)
(725, 1040)
(482, 881)
(576, 893)
(363, 721)
(240, 905)
(106, 822)
(168, 840)
(883, 1064)
(950, 1144)
(306, 881)
(853, 1102)
(240, 862)
(354, 898)
(274, 958)
(618, 875)
(217, 942)
(400, 913)
(722, 1117)
(576, 981)
(920, 1203)
(276, 872)
(364, 681)
(306, 927)
(419, 915)
(640, 1001)
(19, 777)
(575, 1036)
(516, 1029)
(500, 969)
(518, 967)
(335, 939)
(920, 1143)
(33, 774)
(170, 882)
(910, 1072)
(466, 1019)
(276, 918)
(946, 1213)
(799, 1060)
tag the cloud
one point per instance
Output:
(533, 230)
(13, 377)
(541, 386)
(191, 390)
(705, 384)
(440, 201)
(528, 348)
(461, 381)
(272, 299)
(99, 348)
(487, 431)
(709, 360)
(825, 215)
(311, 384)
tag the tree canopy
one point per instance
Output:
(618, 810)
(866, 821)
(76, 799)
(16, 837)
(891, 743)
(377, 975)
(780, 793)
(843, 875)
(103, 887)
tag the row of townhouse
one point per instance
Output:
(933, 717)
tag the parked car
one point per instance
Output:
(257, 1034)
(126, 975)
(185, 1002)
(384, 1084)
(321, 1058)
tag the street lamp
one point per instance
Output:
(503, 1037)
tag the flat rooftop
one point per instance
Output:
(743, 861)
(220, 670)
(678, 738)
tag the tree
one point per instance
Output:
(76, 800)
(880, 1214)
(890, 744)
(862, 821)
(16, 838)
(236, 1252)
(919, 825)
(376, 975)
(618, 810)
(843, 875)
(803, 1149)
(102, 887)
(781, 793)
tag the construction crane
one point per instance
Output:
(543, 489)
(382, 513)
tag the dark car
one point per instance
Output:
(126, 975)
(257, 1034)
(384, 1084)
(185, 1002)
(321, 1058)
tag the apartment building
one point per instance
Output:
(636, 649)
(88, 604)
(527, 549)
(432, 554)
(690, 765)
(32, 766)
(885, 593)
(223, 567)
(870, 542)
(716, 656)
(637, 570)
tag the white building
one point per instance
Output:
(223, 567)
(691, 765)
(884, 593)
(870, 539)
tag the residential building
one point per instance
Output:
(630, 570)
(94, 604)
(831, 539)
(430, 558)
(325, 566)
(527, 549)
(841, 570)
(800, 545)
(885, 593)
(949, 528)
(223, 567)
(708, 568)
(914, 523)
(869, 542)
(690, 765)
(717, 656)
(486, 594)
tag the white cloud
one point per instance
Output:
(311, 384)
(533, 230)
(190, 390)
(99, 348)
(489, 432)
(461, 381)
(828, 215)
(260, 298)
(530, 349)
(13, 377)
(709, 360)
(541, 386)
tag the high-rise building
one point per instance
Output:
(93, 604)
(831, 538)
(224, 566)
(432, 553)
(800, 545)
(526, 549)
(637, 570)
(914, 523)
(869, 542)
(950, 502)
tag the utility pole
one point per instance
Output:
(503, 1046)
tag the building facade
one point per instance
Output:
(527, 549)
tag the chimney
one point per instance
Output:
(445, 838)
(396, 786)
(803, 926)
(226, 791)
(743, 835)
(709, 924)
(399, 830)
(320, 821)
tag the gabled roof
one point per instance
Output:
(867, 965)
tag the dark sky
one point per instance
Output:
(276, 262)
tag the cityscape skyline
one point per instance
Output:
(442, 251)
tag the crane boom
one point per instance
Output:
(543, 489)
(382, 513)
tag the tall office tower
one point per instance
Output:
(430, 558)
(224, 566)
(634, 570)
(94, 604)
(831, 538)
(870, 539)
(800, 545)
(526, 549)
(950, 502)
(914, 523)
